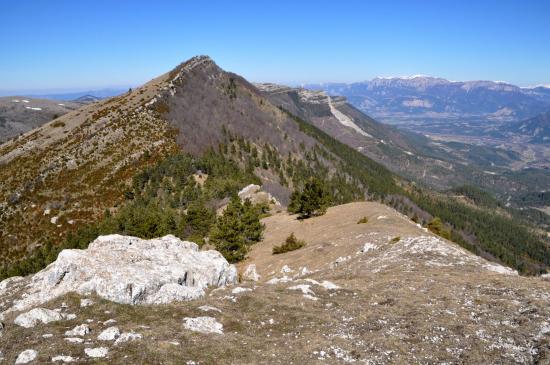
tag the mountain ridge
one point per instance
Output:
(69, 173)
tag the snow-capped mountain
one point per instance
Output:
(393, 99)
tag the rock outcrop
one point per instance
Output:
(257, 196)
(130, 270)
(36, 315)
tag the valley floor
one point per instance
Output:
(381, 292)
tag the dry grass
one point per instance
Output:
(394, 310)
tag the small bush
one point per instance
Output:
(291, 244)
(363, 220)
(436, 226)
(58, 124)
(395, 239)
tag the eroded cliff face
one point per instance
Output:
(385, 291)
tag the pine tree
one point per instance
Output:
(236, 229)
(313, 200)
(196, 222)
(228, 234)
(253, 228)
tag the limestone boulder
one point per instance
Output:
(130, 270)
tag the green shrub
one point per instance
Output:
(291, 244)
(363, 220)
(436, 226)
(58, 124)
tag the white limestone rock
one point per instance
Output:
(9, 283)
(74, 340)
(500, 269)
(26, 356)
(286, 269)
(85, 302)
(239, 290)
(109, 334)
(254, 193)
(81, 330)
(63, 358)
(208, 308)
(329, 285)
(96, 352)
(131, 270)
(283, 279)
(251, 274)
(304, 288)
(203, 325)
(248, 191)
(128, 336)
(34, 316)
(367, 247)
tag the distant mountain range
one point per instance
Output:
(98, 94)
(21, 114)
(413, 98)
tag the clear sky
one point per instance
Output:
(69, 45)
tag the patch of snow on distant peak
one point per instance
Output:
(345, 120)
(410, 77)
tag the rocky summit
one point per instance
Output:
(381, 291)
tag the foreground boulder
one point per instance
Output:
(38, 315)
(26, 356)
(131, 270)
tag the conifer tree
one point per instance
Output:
(236, 229)
(312, 200)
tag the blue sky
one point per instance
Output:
(69, 45)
